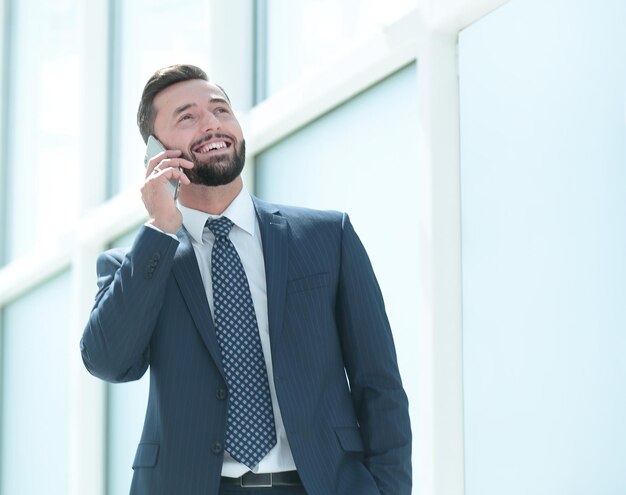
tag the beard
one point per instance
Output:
(216, 170)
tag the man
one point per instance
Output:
(272, 364)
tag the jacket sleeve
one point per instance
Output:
(371, 365)
(115, 342)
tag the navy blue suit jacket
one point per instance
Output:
(327, 321)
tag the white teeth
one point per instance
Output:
(212, 146)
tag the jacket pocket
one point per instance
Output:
(147, 455)
(350, 439)
(308, 282)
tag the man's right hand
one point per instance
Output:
(155, 194)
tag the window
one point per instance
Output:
(35, 390)
(295, 39)
(543, 206)
(43, 123)
(370, 172)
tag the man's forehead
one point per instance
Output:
(187, 92)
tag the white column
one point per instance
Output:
(439, 432)
(94, 103)
(439, 442)
(87, 420)
(231, 60)
(3, 130)
(231, 54)
(87, 409)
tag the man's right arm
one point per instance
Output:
(115, 342)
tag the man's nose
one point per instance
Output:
(210, 122)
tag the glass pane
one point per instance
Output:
(126, 408)
(151, 35)
(299, 37)
(35, 395)
(544, 272)
(126, 411)
(371, 173)
(43, 122)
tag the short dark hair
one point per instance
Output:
(160, 80)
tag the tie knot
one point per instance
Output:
(220, 226)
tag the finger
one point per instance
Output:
(170, 174)
(162, 167)
(155, 160)
(175, 163)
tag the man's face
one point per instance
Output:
(195, 117)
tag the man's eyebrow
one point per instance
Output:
(219, 100)
(187, 106)
(182, 108)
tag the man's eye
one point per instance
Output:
(185, 117)
(221, 110)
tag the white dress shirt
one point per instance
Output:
(246, 237)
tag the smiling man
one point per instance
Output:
(272, 363)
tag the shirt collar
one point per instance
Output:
(241, 212)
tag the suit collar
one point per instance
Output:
(275, 238)
(189, 280)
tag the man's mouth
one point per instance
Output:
(212, 146)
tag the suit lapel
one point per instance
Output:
(190, 283)
(275, 238)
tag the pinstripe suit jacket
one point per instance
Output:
(326, 319)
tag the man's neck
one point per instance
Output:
(213, 200)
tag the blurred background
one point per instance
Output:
(478, 145)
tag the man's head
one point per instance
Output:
(159, 81)
(186, 112)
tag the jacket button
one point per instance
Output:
(221, 394)
(217, 448)
(156, 256)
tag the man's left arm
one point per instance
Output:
(371, 364)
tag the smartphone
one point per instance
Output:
(153, 148)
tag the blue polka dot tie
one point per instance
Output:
(250, 431)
